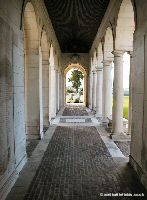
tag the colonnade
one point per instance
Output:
(102, 95)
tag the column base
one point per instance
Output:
(45, 128)
(104, 122)
(90, 107)
(119, 136)
(98, 115)
(33, 132)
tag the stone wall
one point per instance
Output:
(12, 89)
(138, 158)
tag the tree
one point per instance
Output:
(76, 78)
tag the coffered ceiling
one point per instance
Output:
(76, 22)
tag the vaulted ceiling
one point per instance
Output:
(76, 22)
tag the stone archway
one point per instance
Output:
(123, 43)
(44, 86)
(32, 60)
(82, 69)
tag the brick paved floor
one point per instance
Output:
(75, 111)
(124, 146)
(78, 166)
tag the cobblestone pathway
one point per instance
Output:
(77, 166)
(124, 147)
(75, 111)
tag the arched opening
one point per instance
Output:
(124, 41)
(108, 45)
(100, 55)
(125, 27)
(108, 74)
(75, 91)
(32, 103)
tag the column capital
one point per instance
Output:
(99, 68)
(106, 62)
(130, 53)
(93, 71)
(118, 53)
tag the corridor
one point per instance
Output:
(78, 163)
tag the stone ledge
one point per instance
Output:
(141, 174)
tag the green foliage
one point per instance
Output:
(77, 100)
(81, 91)
(76, 78)
(70, 90)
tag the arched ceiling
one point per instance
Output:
(76, 22)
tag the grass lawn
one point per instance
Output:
(126, 106)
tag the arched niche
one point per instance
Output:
(51, 56)
(100, 55)
(125, 27)
(108, 44)
(32, 60)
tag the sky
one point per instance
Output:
(126, 72)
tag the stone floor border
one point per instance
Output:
(27, 174)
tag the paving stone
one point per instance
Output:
(75, 111)
(77, 165)
(124, 146)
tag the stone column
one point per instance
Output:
(107, 90)
(118, 93)
(61, 90)
(40, 93)
(52, 95)
(130, 93)
(99, 88)
(57, 89)
(45, 91)
(90, 89)
(94, 91)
